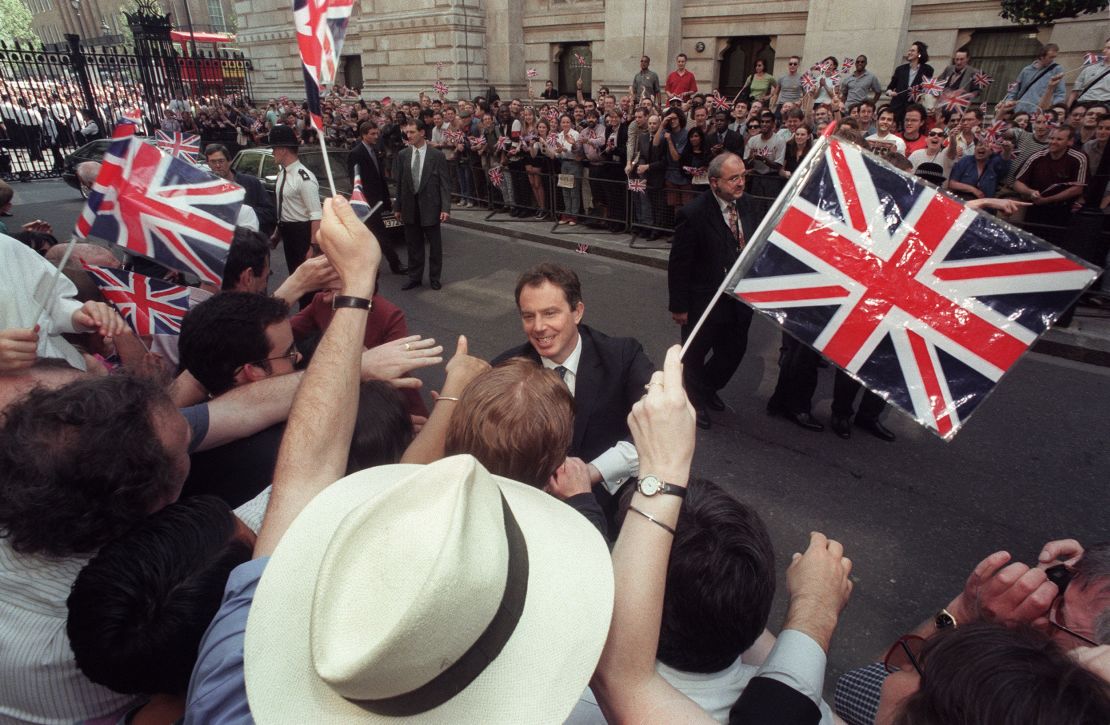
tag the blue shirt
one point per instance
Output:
(217, 688)
(967, 172)
(1030, 95)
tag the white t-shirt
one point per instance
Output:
(941, 157)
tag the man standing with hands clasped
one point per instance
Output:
(424, 199)
(298, 201)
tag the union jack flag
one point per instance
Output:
(359, 204)
(982, 80)
(477, 142)
(579, 61)
(503, 143)
(163, 208)
(321, 26)
(125, 128)
(638, 186)
(847, 66)
(182, 145)
(695, 170)
(931, 87)
(809, 85)
(151, 306)
(1092, 59)
(440, 87)
(995, 130)
(496, 177)
(952, 100)
(532, 73)
(926, 302)
(718, 102)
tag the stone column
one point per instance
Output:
(849, 27)
(639, 27)
(505, 47)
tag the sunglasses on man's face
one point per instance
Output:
(1061, 575)
(905, 652)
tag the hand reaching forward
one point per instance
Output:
(100, 318)
(462, 368)
(662, 423)
(349, 246)
(395, 359)
(819, 588)
(18, 348)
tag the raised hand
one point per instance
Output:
(393, 360)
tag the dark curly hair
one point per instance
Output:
(226, 332)
(80, 464)
(139, 609)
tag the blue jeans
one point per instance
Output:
(572, 202)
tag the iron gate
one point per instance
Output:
(53, 101)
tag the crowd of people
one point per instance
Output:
(292, 532)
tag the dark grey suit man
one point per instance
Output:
(424, 201)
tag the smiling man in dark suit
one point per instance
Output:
(606, 375)
(424, 198)
(366, 160)
(709, 233)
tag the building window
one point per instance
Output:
(216, 16)
(1002, 54)
(738, 61)
(575, 61)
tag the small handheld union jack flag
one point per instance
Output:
(953, 99)
(847, 66)
(182, 145)
(321, 26)
(925, 301)
(1092, 59)
(163, 208)
(637, 186)
(532, 73)
(151, 306)
(995, 130)
(982, 80)
(126, 127)
(503, 143)
(931, 87)
(359, 204)
(718, 102)
(477, 143)
(440, 88)
(580, 61)
(496, 178)
(809, 85)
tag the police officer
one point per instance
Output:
(298, 201)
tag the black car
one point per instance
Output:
(92, 151)
(259, 162)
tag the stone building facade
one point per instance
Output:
(101, 22)
(393, 46)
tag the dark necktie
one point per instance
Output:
(280, 194)
(734, 225)
(562, 372)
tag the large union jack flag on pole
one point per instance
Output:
(182, 145)
(151, 306)
(163, 208)
(321, 26)
(923, 300)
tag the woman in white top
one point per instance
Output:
(569, 166)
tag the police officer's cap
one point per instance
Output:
(283, 137)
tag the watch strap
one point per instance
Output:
(673, 490)
(359, 303)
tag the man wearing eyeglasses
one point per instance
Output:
(229, 340)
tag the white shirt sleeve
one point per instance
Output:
(617, 465)
(798, 662)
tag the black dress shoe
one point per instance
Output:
(411, 284)
(436, 284)
(806, 420)
(877, 429)
(701, 418)
(840, 427)
(714, 402)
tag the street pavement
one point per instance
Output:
(915, 516)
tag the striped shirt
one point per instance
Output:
(39, 679)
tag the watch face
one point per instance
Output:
(650, 485)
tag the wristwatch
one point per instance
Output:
(652, 486)
(359, 303)
(945, 620)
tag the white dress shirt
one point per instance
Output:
(620, 462)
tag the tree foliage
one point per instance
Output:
(15, 22)
(1042, 12)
